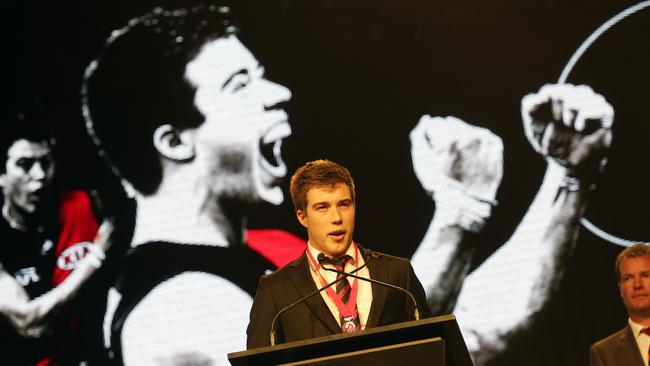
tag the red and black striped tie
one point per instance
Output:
(343, 289)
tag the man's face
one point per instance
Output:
(329, 218)
(634, 286)
(241, 139)
(29, 172)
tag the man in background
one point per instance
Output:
(51, 243)
(184, 116)
(629, 346)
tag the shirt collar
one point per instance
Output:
(351, 251)
(636, 327)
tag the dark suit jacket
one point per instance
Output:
(312, 318)
(616, 350)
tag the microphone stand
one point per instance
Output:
(272, 335)
(322, 259)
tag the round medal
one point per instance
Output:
(348, 326)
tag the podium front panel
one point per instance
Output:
(425, 352)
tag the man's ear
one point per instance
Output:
(172, 144)
(302, 217)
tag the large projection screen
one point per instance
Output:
(501, 146)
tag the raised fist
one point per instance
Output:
(459, 164)
(569, 124)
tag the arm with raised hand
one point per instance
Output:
(570, 126)
(460, 166)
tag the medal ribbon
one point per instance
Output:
(348, 310)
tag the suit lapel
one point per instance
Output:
(378, 271)
(629, 351)
(302, 280)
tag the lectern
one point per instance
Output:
(433, 342)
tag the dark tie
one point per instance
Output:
(647, 331)
(343, 289)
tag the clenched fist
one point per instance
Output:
(570, 124)
(460, 165)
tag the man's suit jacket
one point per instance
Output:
(616, 350)
(312, 318)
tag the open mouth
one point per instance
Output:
(36, 193)
(270, 146)
(337, 235)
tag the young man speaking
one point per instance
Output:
(324, 199)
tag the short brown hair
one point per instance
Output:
(634, 251)
(318, 173)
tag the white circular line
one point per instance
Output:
(594, 36)
(563, 77)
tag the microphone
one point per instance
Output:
(323, 259)
(272, 334)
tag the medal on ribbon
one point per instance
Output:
(347, 311)
(348, 325)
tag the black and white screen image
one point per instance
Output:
(147, 146)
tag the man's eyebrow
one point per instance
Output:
(239, 72)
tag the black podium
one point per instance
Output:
(433, 341)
